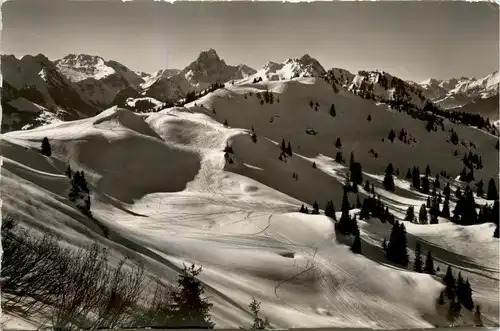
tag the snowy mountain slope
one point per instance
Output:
(460, 93)
(99, 80)
(163, 188)
(305, 66)
(206, 70)
(36, 79)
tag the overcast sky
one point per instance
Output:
(413, 40)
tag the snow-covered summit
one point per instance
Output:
(306, 66)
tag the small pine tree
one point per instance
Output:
(367, 186)
(315, 208)
(389, 179)
(410, 214)
(422, 215)
(392, 135)
(384, 244)
(46, 149)
(283, 146)
(418, 263)
(408, 174)
(492, 190)
(190, 309)
(428, 170)
(480, 190)
(258, 322)
(449, 281)
(314, 165)
(289, 149)
(330, 210)
(225, 123)
(338, 157)
(332, 110)
(369, 118)
(69, 172)
(429, 264)
(338, 143)
(356, 245)
(478, 321)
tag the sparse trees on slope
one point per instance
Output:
(46, 149)
(190, 309)
(418, 263)
(388, 178)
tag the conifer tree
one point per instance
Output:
(425, 184)
(392, 135)
(429, 264)
(356, 245)
(314, 165)
(384, 244)
(428, 170)
(388, 178)
(351, 161)
(289, 149)
(69, 172)
(46, 149)
(418, 263)
(492, 190)
(315, 208)
(343, 224)
(302, 209)
(369, 118)
(338, 143)
(410, 214)
(478, 321)
(496, 233)
(330, 210)
(416, 178)
(356, 174)
(338, 157)
(408, 174)
(225, 123)
(480, 190)
(467, 301)
(449, 281)
(422, 215)
(367, 186)
(258, 322)
(332, 110)
(190, 309)
(283, 146)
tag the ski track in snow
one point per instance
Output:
(235, 226)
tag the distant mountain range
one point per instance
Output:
(36, 90)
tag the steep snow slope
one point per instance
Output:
(160, 183)
(290, 118)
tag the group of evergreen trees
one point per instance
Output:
(459, 292)
(286, 150)
(419, 266)
(79, 193)
(472, 161)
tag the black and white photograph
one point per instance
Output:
(249, 165)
